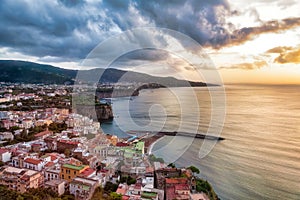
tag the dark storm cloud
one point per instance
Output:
(52, 28)
(72, 28)
(146, 54)
(198, 19)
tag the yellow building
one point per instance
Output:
(70, 171)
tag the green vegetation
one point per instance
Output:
(57, 127)
(29, 72)
(172, 165)
(127, 179)
(204, 186)
(102, 194)
(148, 194)
(24, 136)
(115, 196)
(32, 194)
(153, 159)
(67, 153)
(194, 169)
(110, 187)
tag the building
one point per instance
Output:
(37, 147)
(199, 196)
(69, 171)
(57, 186)
(6, 123)
(5, 155)
(162, 173)
(18, 160)
(20, 179)
(27, 123)
(34, 164)
(51, 143)
(6, 136)
(43, 134)
(83, 188)
(177, 188)
(52, 173)
(62, 145)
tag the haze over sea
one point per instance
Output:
(260, 158)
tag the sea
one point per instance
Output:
(260, 156)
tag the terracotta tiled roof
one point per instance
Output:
(49, 164)
(182, 187)
(176, 180)
(87, 172)
(68, 142)
(53, 157)
(3, 151)
(40, 134)
(32, 161)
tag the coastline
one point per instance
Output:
(153, 143)
(150, 141)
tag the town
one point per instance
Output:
(45, 146)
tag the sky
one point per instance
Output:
(248, 41)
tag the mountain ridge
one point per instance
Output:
(16, 71)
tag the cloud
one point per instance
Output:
(70, 29)
(280, 49)
(289, 56)
(248, 33)
(145, 55)
(66, 28)
(247, 66)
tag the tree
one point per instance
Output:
(128, 179)
(67, 152)
(115, 196)
(20, 197)
(152, 159)
(98, 194)
(172, 165)
(110, 187)
(194, 169)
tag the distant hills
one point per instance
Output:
(28, 72)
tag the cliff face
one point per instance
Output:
(103, 112)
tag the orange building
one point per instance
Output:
(70, 171)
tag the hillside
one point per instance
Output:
(29, 72)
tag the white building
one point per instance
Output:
(6, 136)
(5, 155)
(32, 163)
(52, 173)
